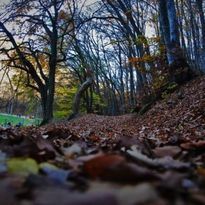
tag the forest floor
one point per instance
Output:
(154, 159)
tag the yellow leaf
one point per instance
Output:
(22, 166)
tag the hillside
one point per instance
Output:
(156, 158)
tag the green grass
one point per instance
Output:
(14, 120)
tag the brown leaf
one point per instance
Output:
(171, 151)
(115, 168)
(129, 173)
(7, 193)
(98, 166)
(198, 198)
(140, 194)
(53, 196)
(193, 145)
(165, 162)
(72, 150)
(176, 181)
(128, 195)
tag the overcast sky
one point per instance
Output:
(87, 1)
(3, 2)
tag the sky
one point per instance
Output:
(3, 2)
(149, 30)
(87, 1)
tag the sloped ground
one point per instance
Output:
(157, 158)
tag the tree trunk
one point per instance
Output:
(202, 21)
(49, 91)
(78, 96)
(45, 113)
(47, 103)
(169, 24)
(164, 23)
(178, 68)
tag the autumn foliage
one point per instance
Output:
(127, 159)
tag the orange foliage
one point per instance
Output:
(62, 15)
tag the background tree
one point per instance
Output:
(39, 43)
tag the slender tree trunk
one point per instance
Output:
(45, 113)
(178, 68)
(181, 26)
(173, 22)
(164, 23)
(202, 19)
(49, 92)
(76, 102)
(193, 32)
(199, 4)
(168, 19)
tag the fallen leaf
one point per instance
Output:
(128, 173)
(177, 182)
(74, 149)
(193, 145)
(198, 198)
(44, 144)
(115, 168)
(201, 171)
(165, 162)
(98, 166)
(7, 195)
(54, 173)
(171, 151)
(127, 195)
(53, 196)
(188, 184)
(140, 194)
(22, 166)
(88, 157)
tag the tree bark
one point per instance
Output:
(179, 70)
(199, 4)
(79, 94)
(202, 19)
(169, 26)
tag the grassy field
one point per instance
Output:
(14, 120)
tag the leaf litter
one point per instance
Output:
(157, 158)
